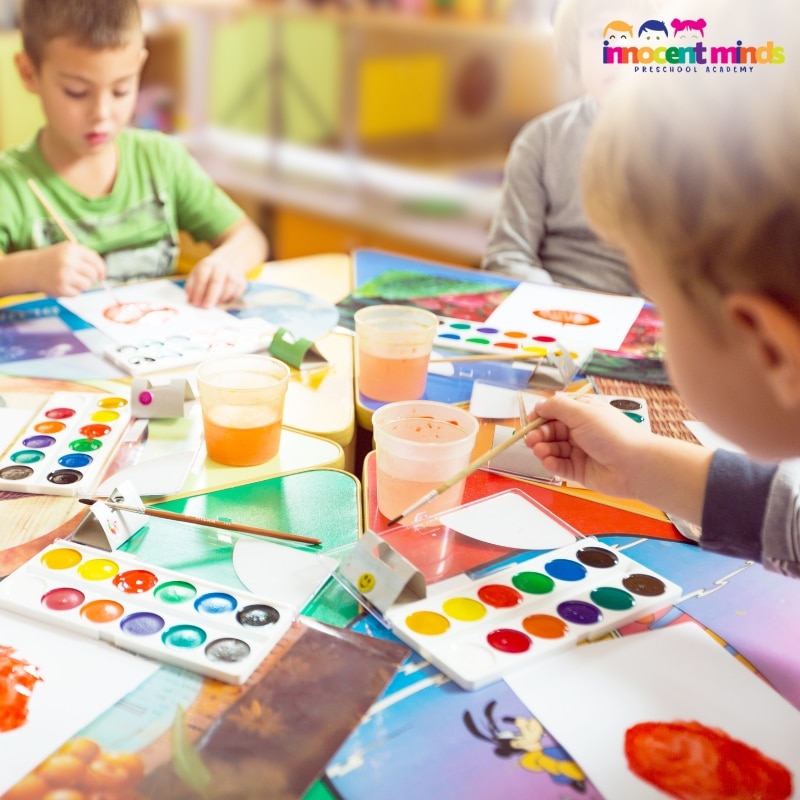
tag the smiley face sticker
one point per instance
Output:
(366, 582)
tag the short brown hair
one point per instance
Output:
(96, 24)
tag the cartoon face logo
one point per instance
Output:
(366, 582)
(689, 28)
(618, 30)
(653, 30)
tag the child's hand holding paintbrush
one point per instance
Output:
(486, 457)
(596, 446)
(65, 269)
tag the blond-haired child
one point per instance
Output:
(697, 179)
(123, 194)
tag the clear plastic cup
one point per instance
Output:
(394, 347)
(418, 446)
(242, 398)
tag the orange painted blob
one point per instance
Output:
(148, 314)
(49, 426)
(545, 626)
(691, 761)
(17, 680)
(566, 317)
(102, 611)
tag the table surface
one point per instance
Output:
(732, 599)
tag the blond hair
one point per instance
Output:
(701, 174)
(96, 24)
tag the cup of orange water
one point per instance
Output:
(419, 444)
(242, 397)
(394, 347)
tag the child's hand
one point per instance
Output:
(591, 443)
(213, 281)
(67, 269)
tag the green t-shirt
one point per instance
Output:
(159, 189)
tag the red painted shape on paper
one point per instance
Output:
(691, 761)
(17, 679)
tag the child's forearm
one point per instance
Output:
(19, 271)
(671, 475)
(244, 245)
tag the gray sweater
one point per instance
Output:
(752, 511)
(539, 232)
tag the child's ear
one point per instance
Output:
(770, 336)
(143, 56)
(27, 71)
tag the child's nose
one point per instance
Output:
(102, 106)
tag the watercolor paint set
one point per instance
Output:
(485, 338)
(479, 631)
(204, 627)
(178, 350)
(65, 446)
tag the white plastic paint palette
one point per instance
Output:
(483, 337)
(154, 354)
(66, 445)
(478, 633)
(198, 625)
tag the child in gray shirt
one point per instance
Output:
(539, 232)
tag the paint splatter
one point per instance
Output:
(17, 679)
(139, 314)
(690, 761)
(566, 317)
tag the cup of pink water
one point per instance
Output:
(394, 347)
(419, 444)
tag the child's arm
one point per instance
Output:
(221, 276)
(598, 447)
(518, 225)
(62, 270)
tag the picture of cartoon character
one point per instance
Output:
(652, 30)
(526, 738)
(689, 28)
(617, 29)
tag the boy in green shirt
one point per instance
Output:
(122, 194)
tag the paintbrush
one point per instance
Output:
(211, 523)
(481, 460)
(63, 227)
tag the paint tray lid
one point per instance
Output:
(480, 534)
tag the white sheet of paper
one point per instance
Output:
(587, 698)
(90, 306)
(616, 314)
(518, 459)
(281, 572)
(509, 519)
(494, 402)
(81, 679)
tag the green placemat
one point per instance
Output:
(323, 503)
